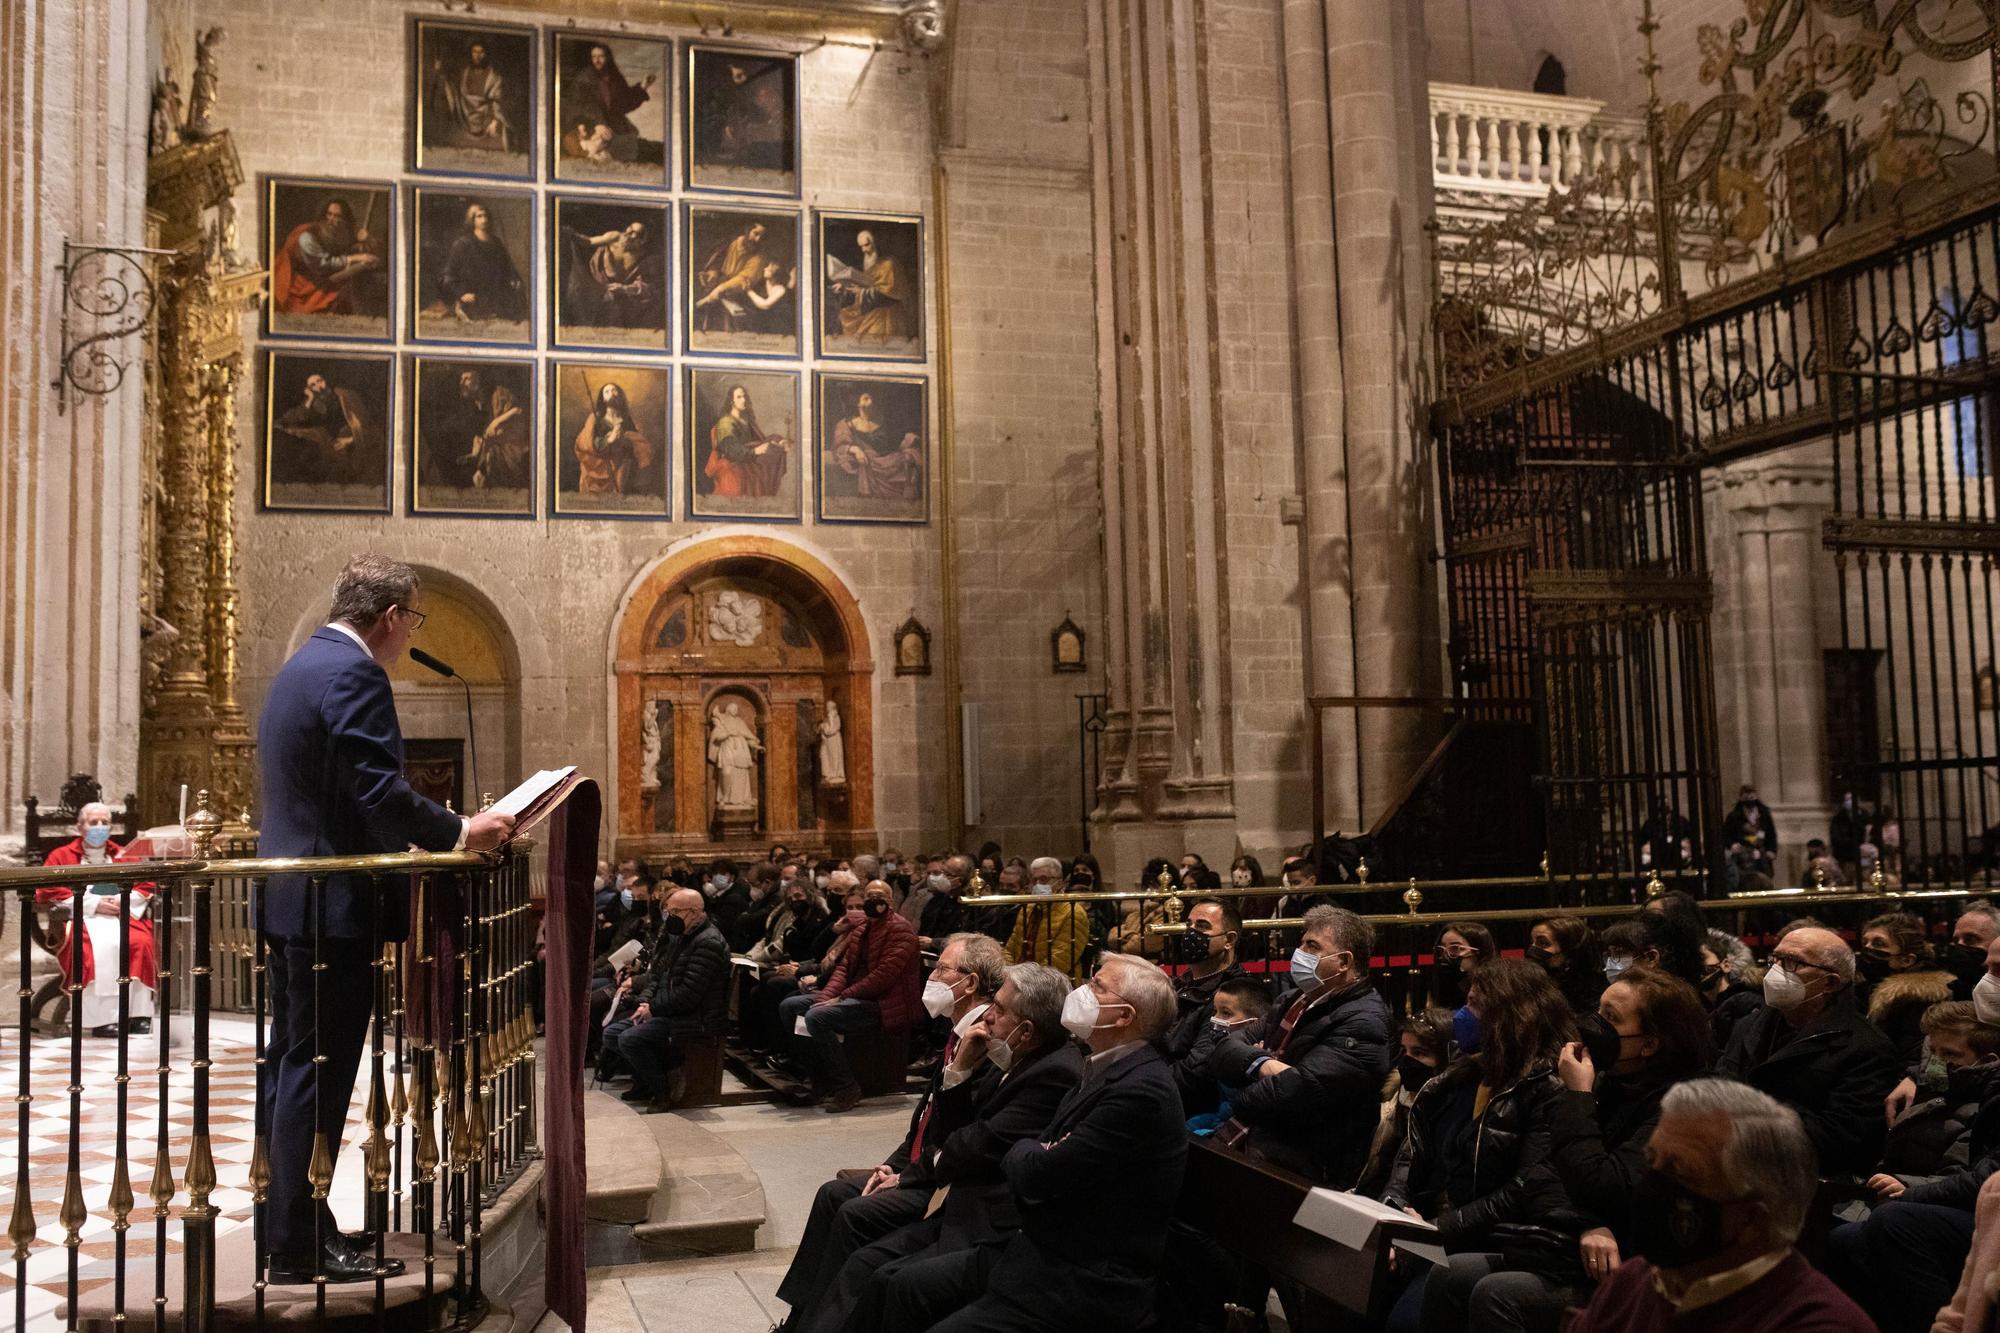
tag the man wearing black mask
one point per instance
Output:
(1730, 1177)
(1965, 957)
(1209, 951)
(685, 995)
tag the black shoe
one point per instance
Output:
(140, 1027)
(657, 1106)
(677, 1084)
(107, 1030)
(635, 1095)
(338, 1262)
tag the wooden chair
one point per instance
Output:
(701, 1063)
(43, 834)
(880, 1061)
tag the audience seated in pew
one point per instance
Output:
(1977, 926)
(684, 995)
(1238, 1006)
(875, 985)
(1424, 1047)
(810, 952)
(1954, 1105)
(1207, 953)
(1732, 985)
(1897, 980)
(1567, 949)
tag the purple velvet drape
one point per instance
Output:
(566, 930)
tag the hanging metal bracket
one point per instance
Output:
(107, 295)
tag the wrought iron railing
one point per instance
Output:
(450, 1119)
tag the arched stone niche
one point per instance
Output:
(762, 623)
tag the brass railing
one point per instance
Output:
(449, 1063)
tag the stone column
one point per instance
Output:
(1168, 770)
(73, 89)
(1773, 508)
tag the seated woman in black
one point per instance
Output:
(1567, 947)
(1462, 947)
(1478, 1151)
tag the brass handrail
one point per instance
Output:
(27, 878)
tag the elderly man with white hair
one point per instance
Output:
(100, 913)
(1052, 934)
(1811, 1048)
(1729, 1176)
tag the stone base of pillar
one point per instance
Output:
(1123, 848)
(1797, 825)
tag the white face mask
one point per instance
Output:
(1082, 1010)
(1305, 966)
(1001, 1053)
(938, 998)
(1240, 878)
(1039, 887)
(938, 883)
(1986, 1000)
(1230, 1024)
(1783, 991)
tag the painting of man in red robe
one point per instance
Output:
(329, 261)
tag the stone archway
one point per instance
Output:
(762, 623)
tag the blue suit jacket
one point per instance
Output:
(331, 759)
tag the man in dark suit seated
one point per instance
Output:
(1306, 1093)
(851, 1210)
(685, 995)
(1004, 1084)
(1096, 1189)
(331, 758)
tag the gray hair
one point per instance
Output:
(1767, 1156)
(369, 586)
(1041, 863)
(866, 867)
(83, 811)
(1350, 933)
(1149, 991)
(840, 881)
(984, 959)
(1039, 992)
(1734, 955)
(1982, 907)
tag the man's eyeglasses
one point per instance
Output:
(421, 616)
(1792, 964)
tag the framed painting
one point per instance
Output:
(1066, 647)
(871, 286)
(610, 95)
(328, 417)
(329, 247)
(741, 291)
(609, 442)
(473, 274)
(472, 99)
(874, 449)
(742, 120)
(472, 437)
(742, 437)
(610, 259)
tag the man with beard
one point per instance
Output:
(609, 285)
(453, 432)
(327, 423)
(479, 280)
(319, 262)
(869, 302)
(599, 94)
(882, 467)
(729, 277)
(469, 102)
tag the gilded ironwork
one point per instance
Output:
(1938, 536)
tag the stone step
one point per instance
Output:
(625, 1165)
(700, 1196)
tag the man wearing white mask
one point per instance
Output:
(1052, 934)
(1097, 1188)
(1810, 1048)
(1307, 1084)
(848, 1213)
(100, 913)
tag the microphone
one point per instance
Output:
(445, 669)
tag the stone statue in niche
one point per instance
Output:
(735, 617)
(206, 89)
(733, 748)
(164, 130)
(832, 749)
(649, 749)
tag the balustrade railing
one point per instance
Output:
(448, 1085)
(1500, 142)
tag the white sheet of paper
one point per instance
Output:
(623, 954)
(525, 795)
(1424, 1250)
(1350, 1219)
(799, 1026)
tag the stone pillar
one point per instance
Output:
(1773, 508)
(1168, 763)
(73, 89)
(1381, 200)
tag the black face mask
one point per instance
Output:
(1709, 976)
(1541, 958)
(875, 907)
(1193, 947)
(1672, 1226)
(1870, 965)
(1965, 961)
(1414, 1072)
(1600, 1039)
(674, 926)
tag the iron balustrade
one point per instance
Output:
(450, 1074)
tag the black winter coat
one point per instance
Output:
(1517, 1204)
(1318, 1117)
(1835, 1073)
(1597, 1146)
(1737, 1002)
(1949, 1131)
(1192, 1037)
(688, 987)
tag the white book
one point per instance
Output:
(530, 802)
(1351, 1220)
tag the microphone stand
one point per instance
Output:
(442, 668)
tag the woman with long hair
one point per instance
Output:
(1566, 947)
(1478, 1150)
(1462, 947)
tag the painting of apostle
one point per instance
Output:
(872, 287)
(611, 273)
(611, 109)
(474, 99)
(610, 440)
(874, 466)
(743, 432)
(743, 277)
(472, 437)
(327, 418)
(329, 255)
(743, 120)
(474, 267)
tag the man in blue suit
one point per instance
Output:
(331, 756)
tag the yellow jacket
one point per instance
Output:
(1056, 935)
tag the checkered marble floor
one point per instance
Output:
(232, 1129)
